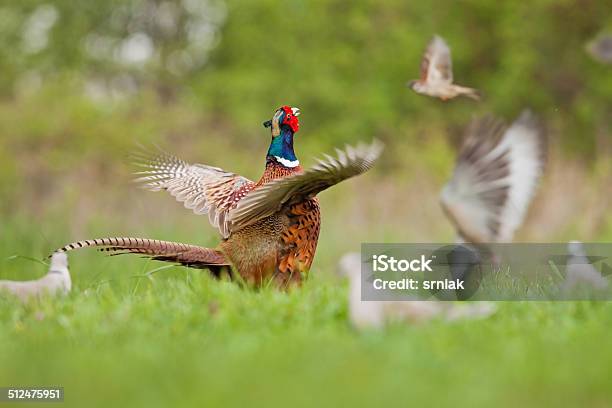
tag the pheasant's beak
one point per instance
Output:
(268, 123)
(296, 111)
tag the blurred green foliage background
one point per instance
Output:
(84, 80)
(82, 84)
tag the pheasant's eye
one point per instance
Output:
(288, 117)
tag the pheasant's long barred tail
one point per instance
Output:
(185, 254)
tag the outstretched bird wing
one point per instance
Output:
(436, 66)
(271, 197)
(203, 189)
(495, 178)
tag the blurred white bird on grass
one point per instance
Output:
(376, 314)
(580, 273)
(56, 282)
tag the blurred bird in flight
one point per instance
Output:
(495, 178)
(600, 48)
(437, 74)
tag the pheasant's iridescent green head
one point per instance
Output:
(284, 117)
(284, 124)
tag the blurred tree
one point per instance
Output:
(116, 45)
(344, 64)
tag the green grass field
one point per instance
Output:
(176, 337)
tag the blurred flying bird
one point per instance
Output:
(56, 281)
(600, 48)
(375, 314)
(495, 178)
(580, 272)
(270, 228)
(437, 74)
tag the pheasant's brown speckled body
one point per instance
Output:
(270, 228)
(280, 246)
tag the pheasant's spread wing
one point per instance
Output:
(203, 189)
(494, 179)
(436, 65)
(271, 197)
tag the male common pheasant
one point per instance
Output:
(270, 228)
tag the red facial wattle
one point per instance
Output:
(290, 119)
